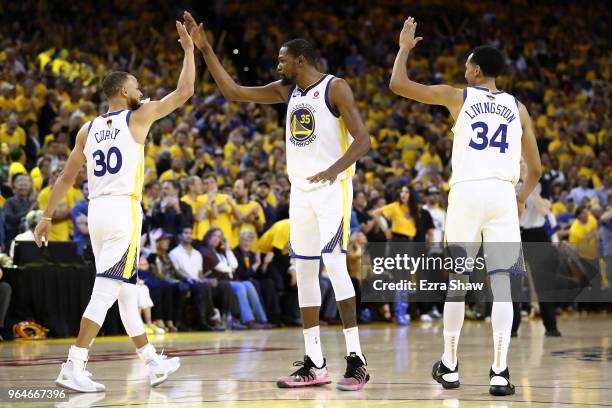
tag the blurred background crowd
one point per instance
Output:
(215, 233)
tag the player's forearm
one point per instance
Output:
(60, 188)
(399, 76)
(186, 81)
(356, 151)
(227, 86)
(530, 183)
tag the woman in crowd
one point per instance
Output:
(220, 263)
(168, 293)
(248, 270)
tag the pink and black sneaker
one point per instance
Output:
(356, 375)
(307, 375)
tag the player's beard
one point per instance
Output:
(134, 104)
(285, 81)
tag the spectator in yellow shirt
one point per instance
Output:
(62, 225)
(400, 213)
(583, 234)
(199, 206)
(253, 218)
(18, 159)
(176, 171)
(222, 210)
(11, 133)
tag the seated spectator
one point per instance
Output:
(79, 220)
(145, 303)
(16, 207)
(221, 262)
(276, 265)
(5, 300)
(31, 220)
(188, 263)
(168, 293)
(171, 214)
(61, 228)
(248, 270)
(583, 238)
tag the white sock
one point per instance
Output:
(78, 356)
(351, 336)
(312, 343)
(147, 353)
(501, 320)
(502, 315)
(453, 322)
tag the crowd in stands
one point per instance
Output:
(216, 195)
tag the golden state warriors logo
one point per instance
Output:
(302, 125)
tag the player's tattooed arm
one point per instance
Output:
(342, 99)
(401, 85)
(273, 92)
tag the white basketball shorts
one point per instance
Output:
(319, 219)
(486, 211)
(115, 223)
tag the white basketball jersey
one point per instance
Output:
(115, 161)
(315, 135)
(487, 137)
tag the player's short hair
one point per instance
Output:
(112, 83)
(300, 47)
(490, 60)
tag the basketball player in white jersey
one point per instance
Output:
(113, 147)
(324, 137)
(492, 130)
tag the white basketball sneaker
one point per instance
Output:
(77, 380)
(161, 367)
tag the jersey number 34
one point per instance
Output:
(482, 140)
(103, 162)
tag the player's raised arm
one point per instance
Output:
(62, 185)
(531, 155)
(341, 97)
(401, 85)
(143, 117)
(273, 92)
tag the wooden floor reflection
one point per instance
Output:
(240, 368)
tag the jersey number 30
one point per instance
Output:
(482, 141)
(103, 162)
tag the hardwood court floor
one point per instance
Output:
(240, 368)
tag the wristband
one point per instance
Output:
(47, 219)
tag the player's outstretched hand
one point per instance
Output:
(406, 38)
(197, 32)
(328, 175)
(41, 232)
(184, 37)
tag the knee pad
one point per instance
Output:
(128, 310)
(307, 276)
(456, 295)
(105, 292)
(338, 274)
(500, 286)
